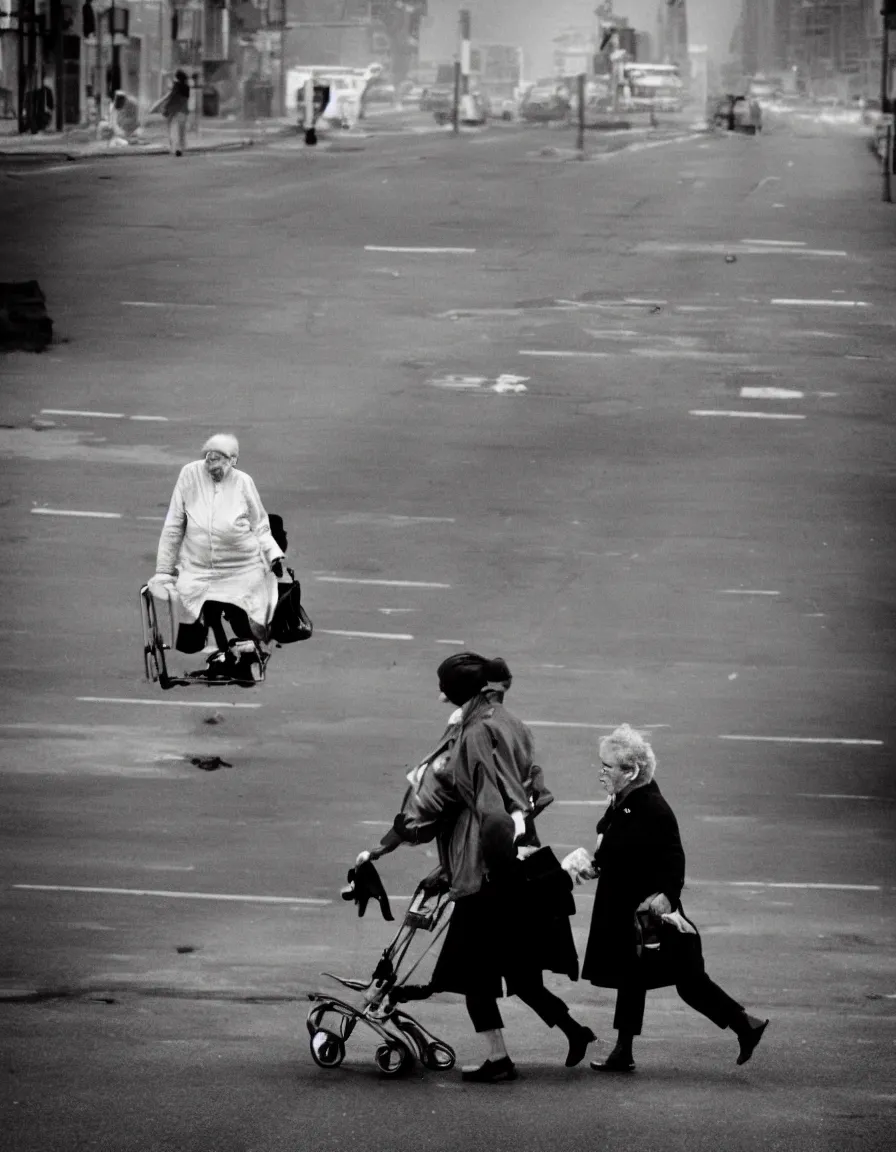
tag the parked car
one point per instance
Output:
(546, 100)
(736, 114)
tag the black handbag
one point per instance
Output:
(291, 622)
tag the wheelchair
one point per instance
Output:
(238, 659)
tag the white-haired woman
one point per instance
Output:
(640, 867)
(217, 551)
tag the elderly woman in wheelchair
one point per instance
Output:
(218, 561)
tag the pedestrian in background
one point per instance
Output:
(477, 795)
(175, 107)
(640, 937)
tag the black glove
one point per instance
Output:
(364, 884)
(277, 568)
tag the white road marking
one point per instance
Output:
(749, 393)
(703, 308)
(842, 796)
(153, 518)
(747, 592)
(425, 250)
(168, 703)
(806, 740)
(568, 355)
(162, 304)
(641, 300)
(797, 884)
(747, 415)
(778, 243)
(578, 724)
(459, 381)
(380, 583)
(822, 303)
(164, 895)
(454, 642)
(97, 415)
(366, 635)
(656, 247)
(72, 512)
(612, 333)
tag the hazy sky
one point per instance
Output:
(533, 23)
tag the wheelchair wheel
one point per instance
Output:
(327, 1049)
(438, 1057)
(393, 1058)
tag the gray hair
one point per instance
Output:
(632, 751)
(223, 442)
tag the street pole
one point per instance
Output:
(20, 64)
(886, 186)
(455, 103)
(58, 63)
(98, 86)
(581, 134)
(282, 95)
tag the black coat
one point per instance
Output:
(513, 929)
(640, 855)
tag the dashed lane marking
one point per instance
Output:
(366, 635)
(749, 393)
(747, 415)
(455, 643)
(168, 895)
(656, 247)
(73, 512)
(421, 250)
(778, 243)
(797, 884)
(380, 583)
(167, 703)
(162, 304)
(807, 740)
(748, 592)
(787, 301)
(98, 415)
(579, 724)
(843, 796)
(567, 355)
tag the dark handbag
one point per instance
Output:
(547, 885)
(291, 622)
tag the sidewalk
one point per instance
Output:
(77, 142)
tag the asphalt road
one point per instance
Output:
(641, 534)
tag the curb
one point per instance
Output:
(141, 150)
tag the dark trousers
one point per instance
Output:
(486, 1015)
(192, 637)
(698, 991)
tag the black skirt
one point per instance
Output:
(510, 932)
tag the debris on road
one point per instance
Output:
(209, 763)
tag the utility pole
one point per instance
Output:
(888, 14)
(58, 63)
(282, 93)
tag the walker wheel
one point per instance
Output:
(438, 1057)
(393, 1058)
(327, 1049)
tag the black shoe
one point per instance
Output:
(178, 152)
(491, 1072)
(578, 1045)
(749, 1039)
(615, 1062)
